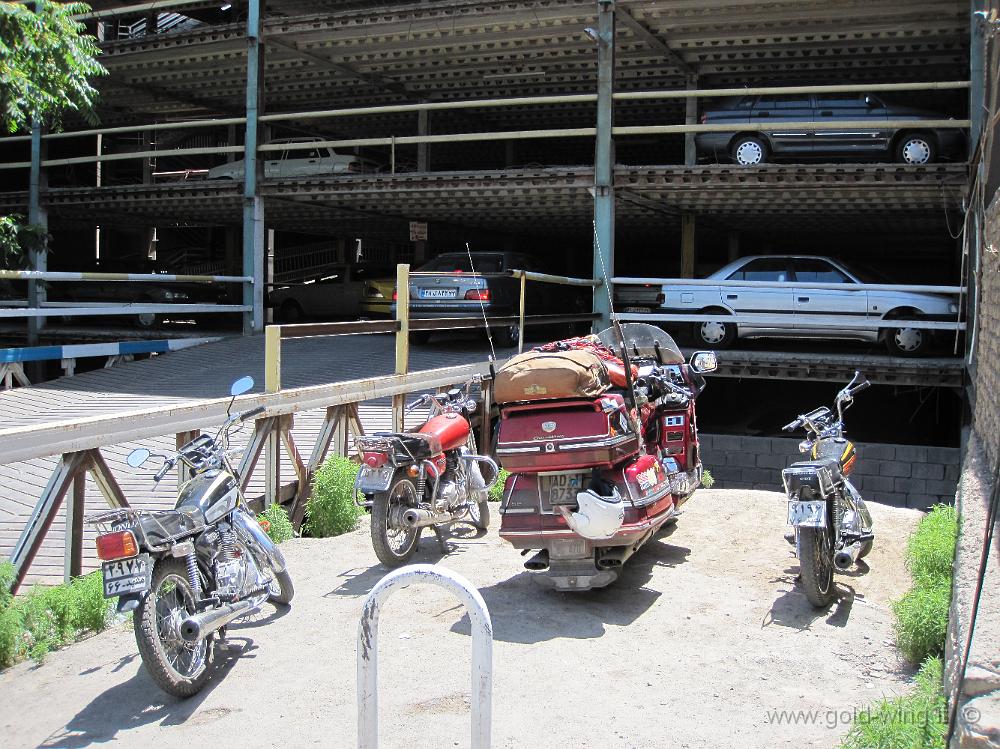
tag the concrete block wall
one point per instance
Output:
(897, 475)
(986, 416)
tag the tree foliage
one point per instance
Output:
(46, 63)
(17, 240)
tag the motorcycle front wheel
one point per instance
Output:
(394, 543)
(815, 552)
(178, 667)
(479, 514)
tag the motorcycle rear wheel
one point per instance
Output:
(394, 544)
(815, 552)
(178, 668)
(479, 514)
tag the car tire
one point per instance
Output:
(905, 341)
(291, 312)
(749, 150)
(507, 336)
(714, 334)
(916, 149)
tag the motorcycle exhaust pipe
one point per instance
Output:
(199, 626)
(613, 558)
(846, 557)
(538, 562)
(418, 517)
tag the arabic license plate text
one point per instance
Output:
(807, 514)
(438, 293)
(127, 575)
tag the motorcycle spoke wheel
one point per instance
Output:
(815, 552)
(393, 541)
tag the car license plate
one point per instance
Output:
(807, 514)
(127, 575)
(569, 548)
(438, 293)
(562, 488)
(636, 310)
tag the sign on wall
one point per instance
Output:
(418, 231)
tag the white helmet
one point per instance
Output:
(598, 516)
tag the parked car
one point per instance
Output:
(337, 291)
(300, 162)
(805, 304)
(910, 145)
(447, 287)
(638, 297)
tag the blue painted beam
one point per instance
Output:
(604, 162)
(253, 203)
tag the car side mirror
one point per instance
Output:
(704, 361)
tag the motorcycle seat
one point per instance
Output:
(420, 446)
(160, 525)
(818, 474)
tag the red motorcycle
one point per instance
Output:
(429, 477)
(597, 468)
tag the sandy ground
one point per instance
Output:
(703, 638)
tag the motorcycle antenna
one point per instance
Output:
(616, 324)
(482, 308)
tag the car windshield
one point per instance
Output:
(460, 264)
(643, 340)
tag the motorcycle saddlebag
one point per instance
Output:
(550, 375)
(565, 435)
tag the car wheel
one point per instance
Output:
(145, 320)
(714, 334)
(906, 341)
(916, 149)
(748, 150)
(291, 312)
(507, 336)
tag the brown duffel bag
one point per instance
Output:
(535, 376)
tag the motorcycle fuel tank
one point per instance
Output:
(213, 493)
(451, 429)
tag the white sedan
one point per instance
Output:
(797, 302)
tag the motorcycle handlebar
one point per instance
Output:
(247, 415)
(863, 385)
(167, 465)
(792, 426)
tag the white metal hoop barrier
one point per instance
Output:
(482, 649)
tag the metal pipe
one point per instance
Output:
(23, 275)
(538, 562)
(482, 649)
(793, 322)
(846, 557)
(200, 626)
(776, 285)
(75, 309)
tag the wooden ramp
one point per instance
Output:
(197, 374)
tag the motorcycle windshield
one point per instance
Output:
(643, 341)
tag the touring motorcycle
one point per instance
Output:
(428, 477)
(186, 573)
(595, 476)
(831, 523)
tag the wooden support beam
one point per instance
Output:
(262, 428)
(73, 552)
(402, 342)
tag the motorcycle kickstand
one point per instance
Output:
(442, 539)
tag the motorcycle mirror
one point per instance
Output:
(137, 457)
(454, 393)
(704, 361)
(242, 385)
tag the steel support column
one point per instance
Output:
(604, 161)
(690, 118)
(977, 42)
(37, 216)
(687, 245)
(253, 203)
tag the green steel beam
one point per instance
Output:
(604, 161)
(253, 203)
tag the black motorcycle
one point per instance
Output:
(832, 525)
(188, 572)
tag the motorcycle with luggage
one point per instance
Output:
(188, 572)
(600, 437)
(832, 527)
(430, 477)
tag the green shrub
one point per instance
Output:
(707, 480)
(280, 526)
(331, 509)
(46, 618)
(922, 613)
(922, 620)
(917, 721)
(931, 549)
(7, 576)
(496, 491)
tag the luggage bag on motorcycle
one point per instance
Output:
(550, 375)
(566, 435)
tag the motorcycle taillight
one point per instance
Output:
(374, 460)
(119, 545)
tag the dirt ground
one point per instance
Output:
(701, 643)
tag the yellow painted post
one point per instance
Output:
(402, 341)
(520, 321)
(272, 358)
(272, 384)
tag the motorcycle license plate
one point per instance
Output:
(568, 548)
(562, 488)
(807, 514)
(374, 479)
(123, 576)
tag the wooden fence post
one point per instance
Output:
(402, 342)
